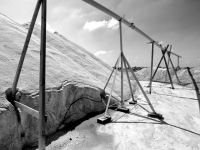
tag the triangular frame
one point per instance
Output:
(12, 94)
(125, 63)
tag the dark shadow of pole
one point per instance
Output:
(161, 122)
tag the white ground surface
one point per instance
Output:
(134, 131)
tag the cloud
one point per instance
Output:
(94, 25)
(101, 53)
(113, 24)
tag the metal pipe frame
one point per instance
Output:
(42, 137)
(132, 26)
(165, 61)
(129, 24)
(173, 68)
(175, 54)
(158, 64)
(178, 57)
(41, 114)
(140, 86)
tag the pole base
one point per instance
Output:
(156, 115)
(113, 107)
(183, 84)
(133, 102)
(123, 109)
(104, 120)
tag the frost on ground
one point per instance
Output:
(180, 129)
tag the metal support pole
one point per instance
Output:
(113, 85)
(123, 20)
(178, 63)
(112, 72)
(42, 77)
(173, 68)
(152, 53)
(168, 71)
(143, 92)
(168, 61)
(30, 30)
(163, 54)
(129, 81)
(121, 49)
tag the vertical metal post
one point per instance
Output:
(152, 53)
(121, 49)
(42, 77)
(168, 62)
(24, 50)
(173, 67)
(129, 81)
(168, 71)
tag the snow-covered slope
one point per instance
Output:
(71, 73)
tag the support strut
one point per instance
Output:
(42, 77)
(152, 53)
(28, 37)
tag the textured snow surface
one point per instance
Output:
(179, 131)
(65, 60)
(71, 73)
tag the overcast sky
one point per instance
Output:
(175, 22)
